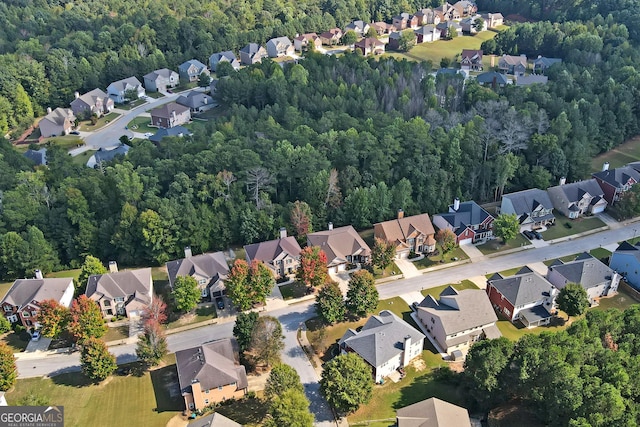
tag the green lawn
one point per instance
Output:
(131, 105)
(293, 290)
(514, 333)
(621, 301)
(496, 245)
(117, 333)
(86, 126)
(141, 125)
(600, 253)
(66, 142)
(429, 261)
(75, 273)
(18, 342)
(247, 412)
(155, 95)
(202, 313)
(4, 288)
(159, 273)
(435, 292)
(83, 158)
(580, 225)
(619, 156)
(597, 253)
(390, 271)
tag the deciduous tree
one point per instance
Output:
(91, 266)
(362, 296)
(8, 368)
(152, 344)
(186, 293)
(53, 318)
(483, 367)
(506, 226)
(96, 361)
(282, 378)
(245, 323)
(330, 303)
(85, 320)
(156, 311)
(301, 219)
(478, 24)
(349, 38)
(5, 325)
(446, 239)
(346, 382)
(407, 40)
(291, 408)
(313, 267)
(249, 284)
(266, 341)
(382, 253)
(573, 299)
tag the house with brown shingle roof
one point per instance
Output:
(282, 255)
(214, 420)
(369, 46)
(209, 270)
(210, 374)
(169, 115)
(343, 246)
(123, 293)
(331, 37)
(510, 64)
(408, 234)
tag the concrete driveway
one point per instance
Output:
(41, 345)
(472, 252)
(408, 268)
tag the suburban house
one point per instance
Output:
(468, 220)
(57, 122)
(385, 342)
(408, 234)
(595, 277)
(471, 60)
(465, 7)
(457, 319)
(358, 27)
(121, 293)
(510, 64)
(93, 102)
(304, 40)
(493, 20)
(226, 56)
(432, 413)
(404, 21)
(104, 155)
(210, 374)
(541, 64)
(170, 115)
(382, 28)
(331, 37)
(626, 261)
(343, 246)
(427, 34)
(39, 157)
(525, 296)
(578, 198)
(445, 27)
(492, 79)
(252, 53)
(394, 40)
(208, 269)
(533, 208)
(531, 79)
(161, 80)
(22, 301)
(447, 12)
(370, 45)
(196, 101)
(118, 90)
(281, 255)
(280, 46)
(468, 25)
(214, 420)
(192, 69)
(615, 182)
(177, 131)
(427, 17)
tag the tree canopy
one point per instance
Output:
(346, 382)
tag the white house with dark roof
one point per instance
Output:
(118, 89)
(626, 261)
(592, 274)
(22, 302)
(208, 269)
(493, 20)
(526, 297)
(226, 56)
(281, 255)
(578, 198)
(196, 101)
(433, 412)
(343, 246)
(121, 293)
(533, 208)
(161, 80)
(457, 319)
(468, 220)
(385, 342)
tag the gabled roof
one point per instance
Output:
(23, 291)
(369, 43)
(526, 201)
(546, 62)
(184, 67)
(433, 413)
(133, 284)
(174, 131)
(91, 97)
(194, 99)
(460, 310)
(166, 110)
(494, 15)
(357, 26)
(212, 265)
(585, 270)
(212, 364)
(426, 30)
(39, 157)
(398, 230)
(525, 287)
(491, 76)
(618, 177)
(381, 338)
(515, 60)
(124, 84)
(468, 214)
(574, 191)
(272, 249)
(106, 155)
(214, 420)
(309, 37)
(228, 55)
(252, 49)
(276, 41)
(162, 72)
(471, 54)
(59, 116)
(338, 243)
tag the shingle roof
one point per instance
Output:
(546, 62)
(174, 131)
(381, 338)
(59, 116)
(106, 155)
(515, 60)
(433, 413)
(212, 265)
(468, 214)
(619, 176)
(166, 110)
(39, 157)
(91, 97)
(522, 288)
(280, 41)
(526, 201)
(585, 270)
(212, 364)
(195, 99)
(398, 230)
(490, 76)
(426, 30)
(133, 284)
(184, 67)
(162, 72)
(338, 243)
(122, 85)
(251, 48)
(214, 420)
(23, 291)
(576, 190)
(270, 250)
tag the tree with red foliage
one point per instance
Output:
(156, 311)
(248, 284)
(52, 317)
(85, 320)
(313, 267)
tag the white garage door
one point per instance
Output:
(332, 270)
(598, 209)
(466, 241)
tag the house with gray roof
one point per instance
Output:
(468, 220)
(178, 131)
(626, 261)
(121, 293)
(457, 319)
(170, 115)
(118, 90)
(22, 302)
(214, 420)
(526, 297)
(57, 122)
(493, 79)
(616, 182)
(161, 80)
(385, 342)
(192, 69)
(343, 246)
(252, 53)
(359, 27)
(104, 155)
(578, 198)
(210, 374)
(541, 64)
(196, 101)
(226, 56)
(282, 255)
(93, 102)
(510, 64)
(208, 269)
(433, 413)
(39, 157)
(280, 46)
(593, 275)
(427, 34)
(533, 208)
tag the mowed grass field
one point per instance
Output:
(619, 156)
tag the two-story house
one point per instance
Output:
(22, 301)
(209, 270)
(516, 65)
(161, 80)
(385, 342)
(427, 16)
(303, 41)
(626, 261)
(404, 21)
(408, 234)
(342, 245)
(471, 59)
(93, 102)
(252, 53)
(196, 101)
(281, 255)
(615, 182)
(578, 198)
(541, 64)
(533, 208)
(493, 20)
(119, 91)
(210, 374)
(226, 56)
(192, 69)
(370, 46)
(465, 8)
(170, 115)
(526, 297)
(594, 276)
(121, 293)
(468, 220)
(331, 37)
(280, 46)
(359, 27)
(57, 122)
(427, 34)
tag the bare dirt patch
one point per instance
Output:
(418, 364)
(178, 421)
(456, 366)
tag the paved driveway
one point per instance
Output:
(472, 252)
(408, 268)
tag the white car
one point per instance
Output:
(148, 134)
(35, 336)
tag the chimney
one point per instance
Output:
(113, 267)
(48, 110)
(330, 226)
(605, 166)
(187, 252)
(400, 213)
(493, 61)
(563, 180)
(38, 274)
(76, 95)
(406, 355)
(456, 204)
(283, 232)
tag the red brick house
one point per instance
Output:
(615, 182)
(468, 220)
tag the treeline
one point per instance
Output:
(50, 49)
(586, 376)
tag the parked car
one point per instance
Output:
(148, 134)
(537, 235)
(220, 303)
(529, 235)
(35, 336)
(74, 132)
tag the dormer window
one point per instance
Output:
(8, 308)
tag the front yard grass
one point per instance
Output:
(131, 105)
(435, 292)
(293, 290)
(154, 95)
(86, 126)
(247, 412)
(568, 227)
(66, 142)
(141, 125)
(4, 288)
(496, 245)
(392, 270)
(205, 311)
(82, 158)
(429, 261)
(117, 333)
(17, 342)
(514, 333)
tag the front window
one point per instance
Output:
(119, 299)
(202, 282)
(107, 303)
(8, 308)
(25, 314)
(34, 314)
